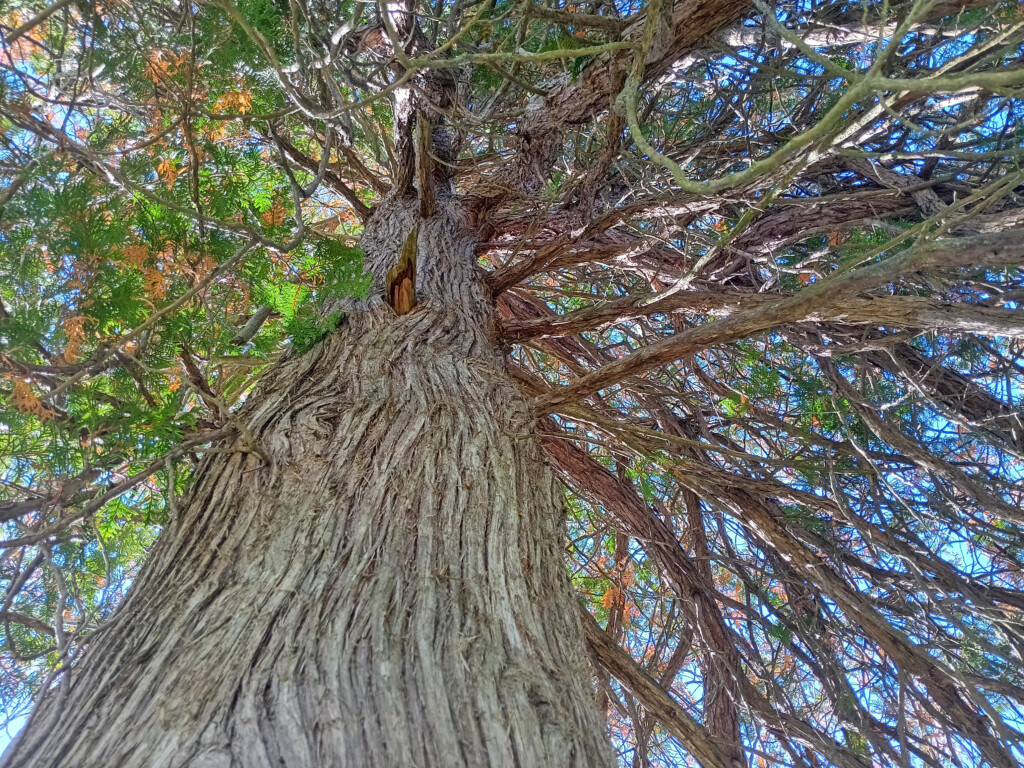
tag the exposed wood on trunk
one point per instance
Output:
(400, 282)
(806, 370)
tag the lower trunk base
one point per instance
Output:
(389, 592)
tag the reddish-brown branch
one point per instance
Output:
(655, 699)
(615, 494)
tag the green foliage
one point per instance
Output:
(90, 264)
(307, 328)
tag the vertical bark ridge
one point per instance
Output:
(420, 613)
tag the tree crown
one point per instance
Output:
(758, 268)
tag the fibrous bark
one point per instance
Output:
(382, 586)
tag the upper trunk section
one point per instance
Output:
(446, 269)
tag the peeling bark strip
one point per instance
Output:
(389, 591)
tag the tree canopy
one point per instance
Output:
(758, 267)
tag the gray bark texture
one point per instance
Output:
(385, 587)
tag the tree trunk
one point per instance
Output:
(387, 590)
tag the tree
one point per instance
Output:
(309, 307)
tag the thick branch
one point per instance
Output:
(574, 102)
(1006, 249)
(654, 698)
